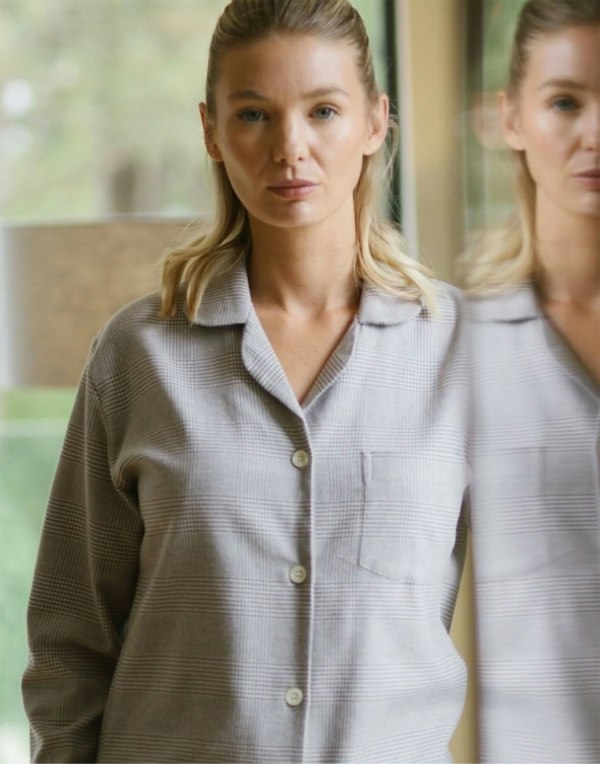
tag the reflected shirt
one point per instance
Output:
(535, 519)
(226, 575)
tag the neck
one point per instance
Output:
(302, 270)
(568, 250)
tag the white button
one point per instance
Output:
(298, 574)
(300, 459)
(294, 696)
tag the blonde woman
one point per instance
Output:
(253, 541)
(536, 329)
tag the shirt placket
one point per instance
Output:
(301, 577)
(262, 364)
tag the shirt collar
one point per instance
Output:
(516, 304)
(227, 301)
(384, 309)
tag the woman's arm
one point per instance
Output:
(83, 587)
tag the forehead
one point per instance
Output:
(290, 62)
(571, 54)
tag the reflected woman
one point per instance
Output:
(536, 331)
(253, 542)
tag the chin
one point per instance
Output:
(591, 208)
(291, 217)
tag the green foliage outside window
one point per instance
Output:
(32, 427)
(490, 189)
(99, 105)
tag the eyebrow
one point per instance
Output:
(254, 95)
(562, 83)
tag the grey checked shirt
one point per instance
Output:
(226, 575)
(536, 523)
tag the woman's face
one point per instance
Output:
(292, 125)
(555, 121)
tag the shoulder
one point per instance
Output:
(439, 305)
(136, 330)
(139, 312)
(513, 305)
(451, 301)
(130, 321)
(447, 310)
(448, 323)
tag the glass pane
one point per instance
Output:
(373, 14)
(99, 105)
(489, 169)
(32, 427)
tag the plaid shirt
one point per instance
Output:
(535, 517)
(226, 575)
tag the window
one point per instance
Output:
(490, 28)
(99, 105)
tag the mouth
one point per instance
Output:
(589, 178)
(293, 189)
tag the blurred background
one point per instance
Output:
(102, 166)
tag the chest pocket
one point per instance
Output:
(410, 513)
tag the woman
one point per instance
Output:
(252, 546)
(536, 323)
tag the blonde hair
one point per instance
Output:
(502, 258)
(381, 256)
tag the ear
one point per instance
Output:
(378, 125)
(208, 128)
(509, 121)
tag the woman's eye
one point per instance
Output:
(324, 112)
(564, 103)
(251, 115)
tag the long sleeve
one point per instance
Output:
(83, 587)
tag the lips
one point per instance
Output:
(589, 178)
(293, 189)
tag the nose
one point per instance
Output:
(290, 144)
(591, 129)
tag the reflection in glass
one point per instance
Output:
(535, 319)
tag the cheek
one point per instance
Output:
(344, 150)
(547, 137)
(240, 158)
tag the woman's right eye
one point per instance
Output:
(251, 115)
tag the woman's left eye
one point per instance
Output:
(564, 103)
(324, 112)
